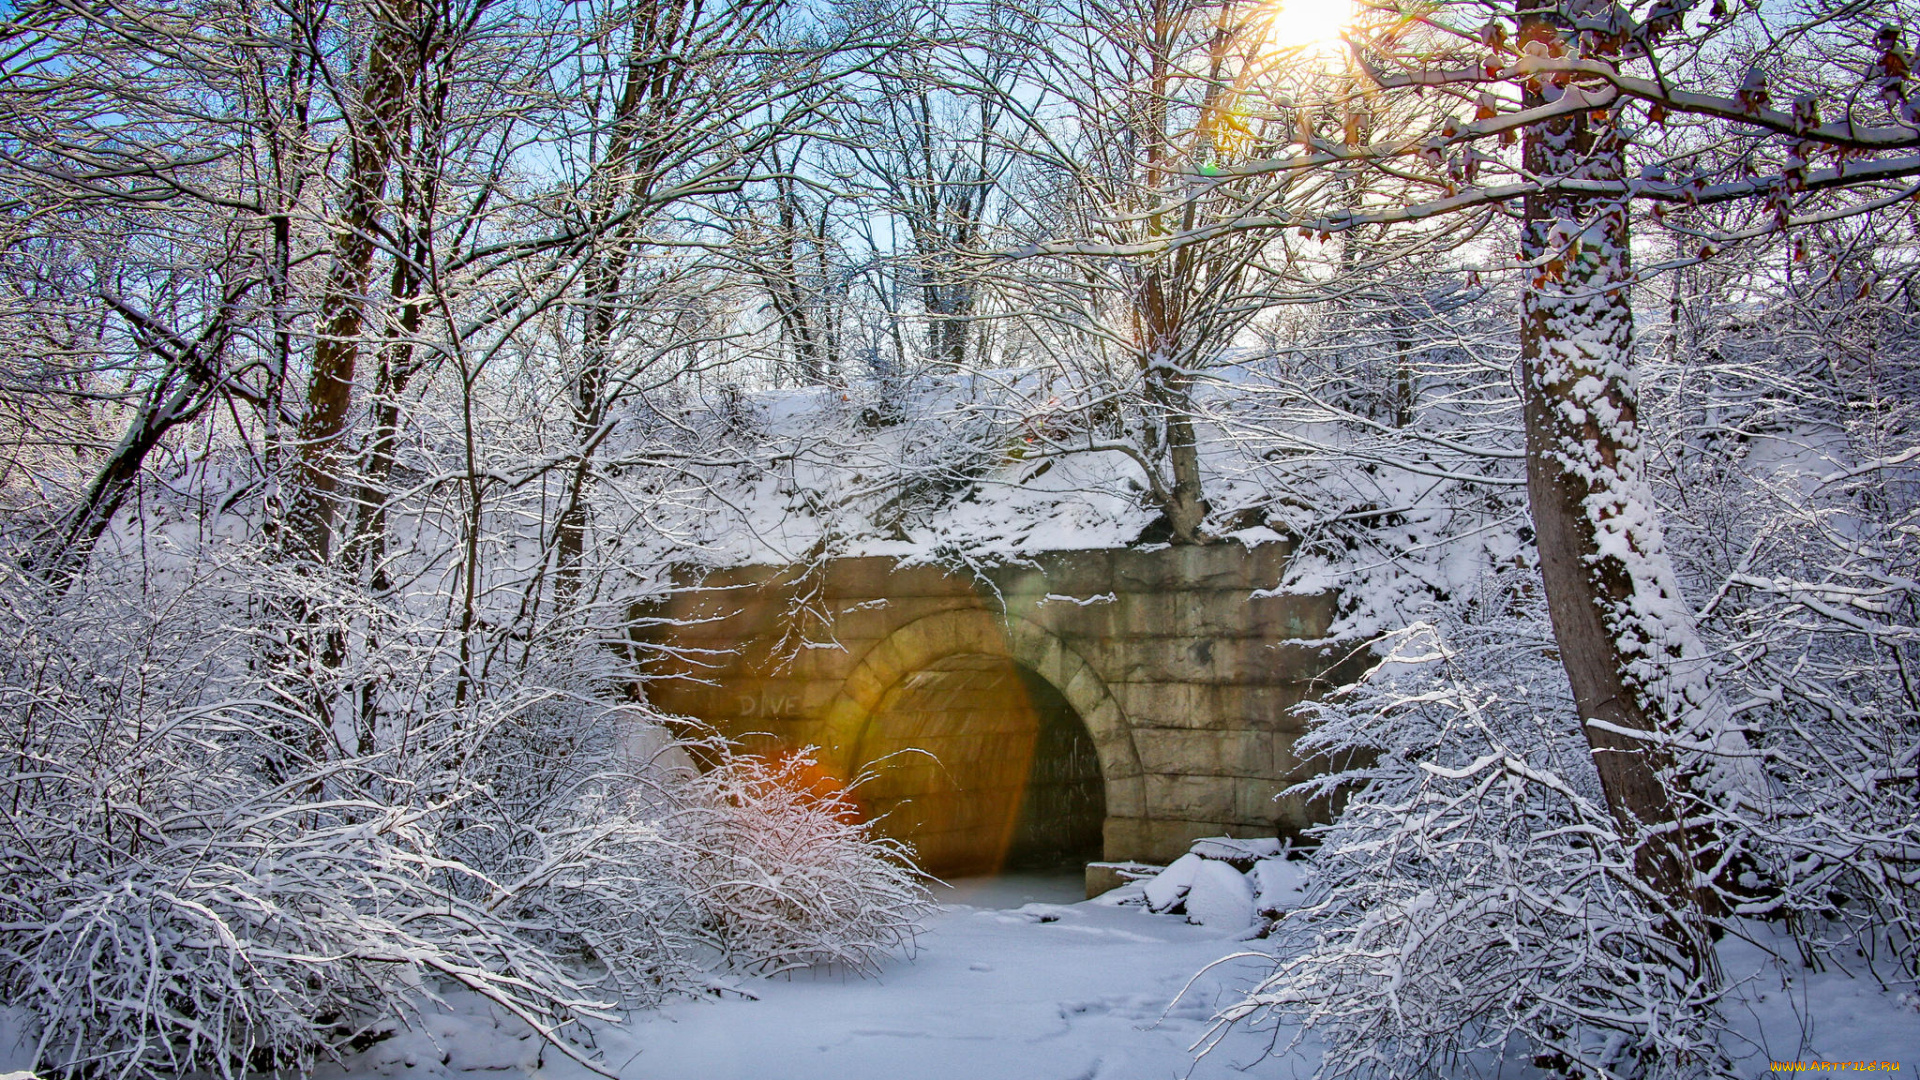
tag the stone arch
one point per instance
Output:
(926, 642)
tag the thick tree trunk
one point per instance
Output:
(1186, 509)
(1625, 633)
(652, 100)
(949, 304)
(589, 412)
(336, 351)
(1159, 321)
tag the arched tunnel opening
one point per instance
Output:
(983, 766)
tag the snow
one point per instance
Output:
(1230, 849)
(1220, 897)
(1784, 1012)
(1280, 884)
(1167, 887)
(16, 1048)
(1014, 980)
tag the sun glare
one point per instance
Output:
(1307, 23)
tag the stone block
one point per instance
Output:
(1083, 684)
(1281, 760)
(1161, 840)
(1249, 753)
(1161, 704)
(1124, 837)
(731, 577)
(1171, 750)
(774, 697)
(1047, 657)
(1141, 571)
(1269, 708)
(1234, 613)
(1212, 566)
(1018, 588)
(1216, 706)
(866, 685)
(1068, 619)
(1126, 794)
(815, 658)
(1167, 659)
(1253, 799)
(1104, 877)
(1267, 563)
(867, 622)
(859, 579)
(1077, 573)
(1207, 660)
(1295, 815)
(1201, 798)
(1210, 753)
(1290, 617)
(1158, 614)
(1295, 662)
(1166, 839)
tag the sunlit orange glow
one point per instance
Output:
(950, 748)
(802, 773)
(976, 761)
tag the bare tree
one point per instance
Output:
(1161, 106)
(1568, 79)
(685, 99)
(933, 147)
(785, 234)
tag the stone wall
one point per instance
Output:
(1184, 679)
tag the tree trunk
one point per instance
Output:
(169, 405)
(398, 364)
(336, 351)
(651, 103)
(1159, 313)
(949, 305)
(1625, 633)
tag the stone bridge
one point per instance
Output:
(1087, 704)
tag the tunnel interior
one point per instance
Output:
(983, 766)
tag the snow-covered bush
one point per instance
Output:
(595, 830)
(1474, 898)
(197, 874)
(786, 873)
(1781, 424)
(1787, 478)
(165, 904)
(1226, 883)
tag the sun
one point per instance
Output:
(1310, 23)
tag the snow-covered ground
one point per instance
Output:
(1016, 980)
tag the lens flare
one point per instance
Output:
(1311, 23)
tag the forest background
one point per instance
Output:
(368, 360)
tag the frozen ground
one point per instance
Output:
(1016, 981)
